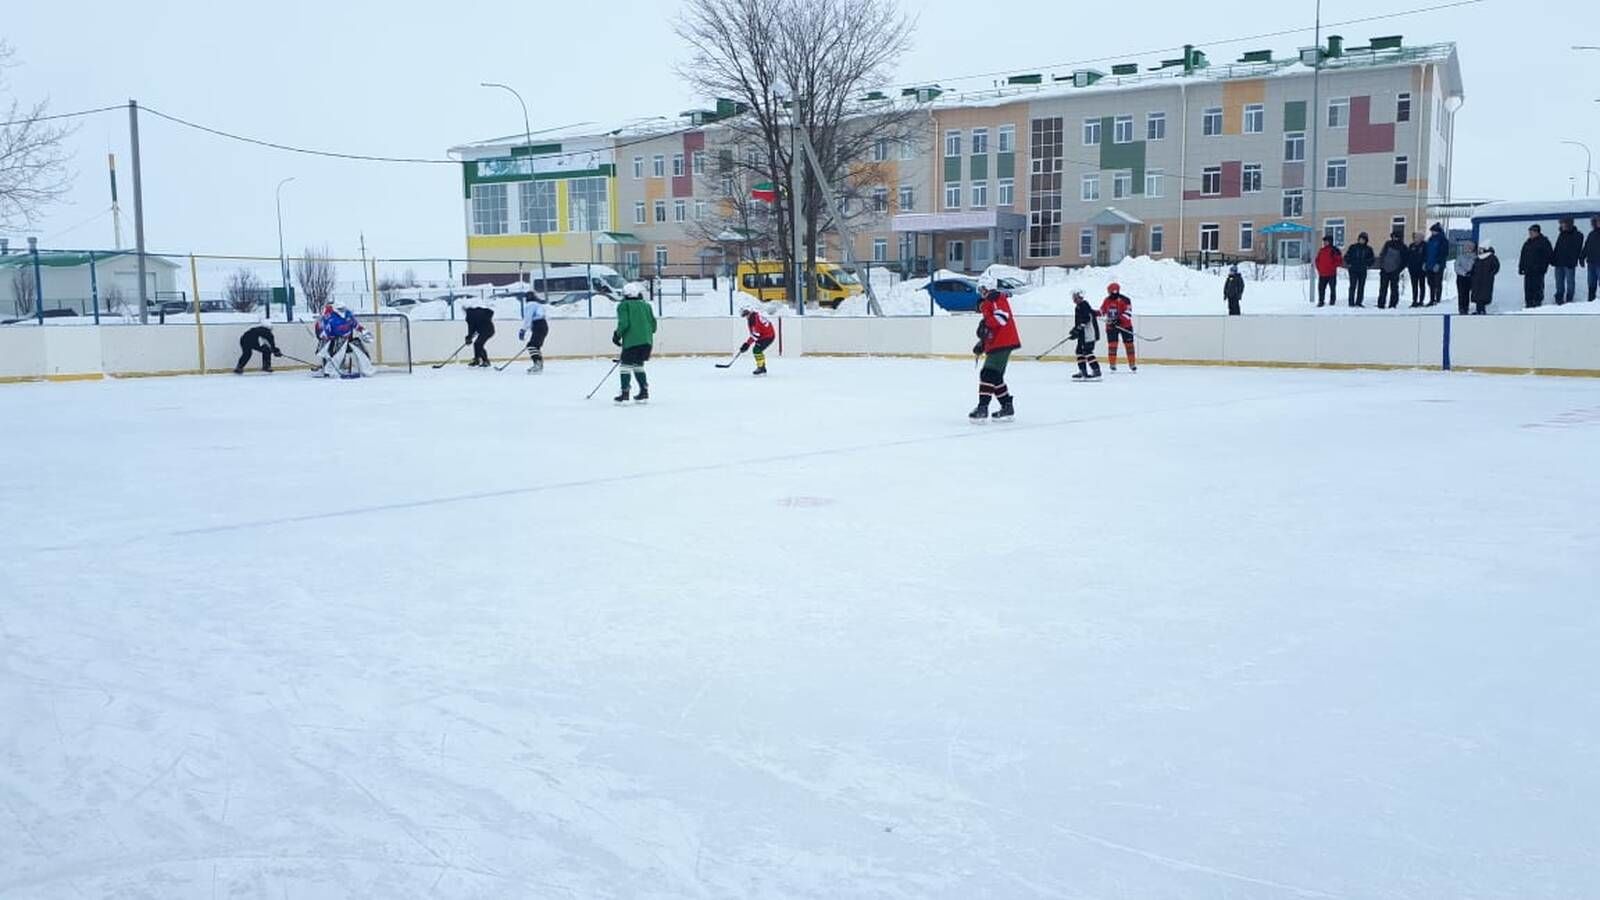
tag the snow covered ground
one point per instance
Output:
(1194, 633)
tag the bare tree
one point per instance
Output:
(23, 289)
(807, 62)
(245, 289)
(114, 300)
(316, 273)
(33, 157)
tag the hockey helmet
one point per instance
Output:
(1077, 295)
(633, 290)
(1113, 288)
(987, 284)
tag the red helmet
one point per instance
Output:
(1113, 288)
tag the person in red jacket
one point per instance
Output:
(997, 339)
(1329, 259)
(761, 337)
(1117, 310)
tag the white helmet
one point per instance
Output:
(633, 290)
(987, 283)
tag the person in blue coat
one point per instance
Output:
(1435, 256)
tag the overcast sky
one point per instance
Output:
(400, 78)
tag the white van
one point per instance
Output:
(594, 279)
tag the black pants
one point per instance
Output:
(536, 336)
(1418, 288)
(1358, 287)
(636, 356)
(479, 354)
(1328, 284)
(1435, 287)
(1533, 289)
(1389, 287)
(1233, 307)
(247, 348)
(1463, 294)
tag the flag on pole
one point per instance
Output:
(766, 192)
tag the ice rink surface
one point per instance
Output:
(1194, 633)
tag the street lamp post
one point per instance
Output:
(527, 134)
(1588, 165)
(283, 260)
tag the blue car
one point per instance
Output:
(954, 294)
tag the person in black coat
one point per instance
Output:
(1483, 273)
(257, 339)
(1391, 264)
(1233, 290)
(1564, 259)
(480, 327)
(1416, 259)
(1591, 255)
(1532, 265)
(1358, 259)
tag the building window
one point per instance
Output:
(1339, 112)
(880, 250)
(489, 212)
(1402, 107)
(699, 162)
(680, 210)
(1122, 130)
(1089, 188)
(1045, 176)
(1155, 126)
(727, 185)
(661, 259)
(1250, 178)
(1397, 225)
(1247, 237)
(1402, 170)
(538, 207)
(638, 167)
(630, 263)
(1294, 146)
(1334, 228)
(952, 195)
(1255, 118)
(678, 170)
(880, 150)
(980, 195)
(658, 166)
(880, 199)
(699, 209)
(588, 204)
(952, 144)
(908, 198)
(1086, 243)
(1005, 193)
(1211, 181)
(1121, 185)
(1008, 138)
(661, 210)
(1091, 132)
(1210, 237)
(1155, 183)
(908, 150)
(1338, 174)
(1211, 121)
(1293, 203)
(1158, 238)
(638, 214)
(752, 157)
(980, 142)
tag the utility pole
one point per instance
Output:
(116, 208)
(797, 179)
(1588, 164)
(527, 135)
(138, 212)
(1315, 122)
(826, 191)
(367, 285)
(283, 260)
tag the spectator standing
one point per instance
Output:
(1465, 260)
(1436, 255)
(1564, 259)
(1416, 261)
(1329, 259)
(1591, 255)
(1391, 264)
(1532, 265)
(1233, 290)
(1483, 274)
(1358, 259)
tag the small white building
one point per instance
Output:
(68, 283)
(1505, 225)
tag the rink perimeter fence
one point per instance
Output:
(81, 320)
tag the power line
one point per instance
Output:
(65, 115)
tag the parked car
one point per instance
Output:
(955, 294)
(570, 297)
(48, 314)
(399, 302)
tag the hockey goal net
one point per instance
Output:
(390, 346)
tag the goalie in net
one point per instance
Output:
(346, 346)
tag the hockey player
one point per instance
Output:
(535, 328)
(1086, 330)
(636, 331)
(761, 337)
(480, 327)
(256, 339)
(343, 344)
(1118, 313)
(997, 339)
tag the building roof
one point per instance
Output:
(73, 259)
(1537, 210)
(1113, 217)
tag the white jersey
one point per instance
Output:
(531, 313)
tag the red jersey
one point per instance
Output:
(760, 328)
(1328, 261)
(1117, 310)
(999, 328)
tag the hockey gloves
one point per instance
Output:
(616, 338)
(745, 346)
(521, 334)
(276, 352)
(977, 349)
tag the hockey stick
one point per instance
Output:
(507, 364)
(452, 356)
(1052, 347)
(603, 380)
(303, 362)
(729, 363)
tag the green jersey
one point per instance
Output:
(636, 324)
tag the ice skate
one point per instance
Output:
(760, 370)
(1006, 410)
(620, 398)
(980, 413)
(644, 395)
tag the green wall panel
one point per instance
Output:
(1114, 156)
(1005, 165)
(952, 169)
(1294, 115)
(980, 168)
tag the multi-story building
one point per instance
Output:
(1251, 159)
